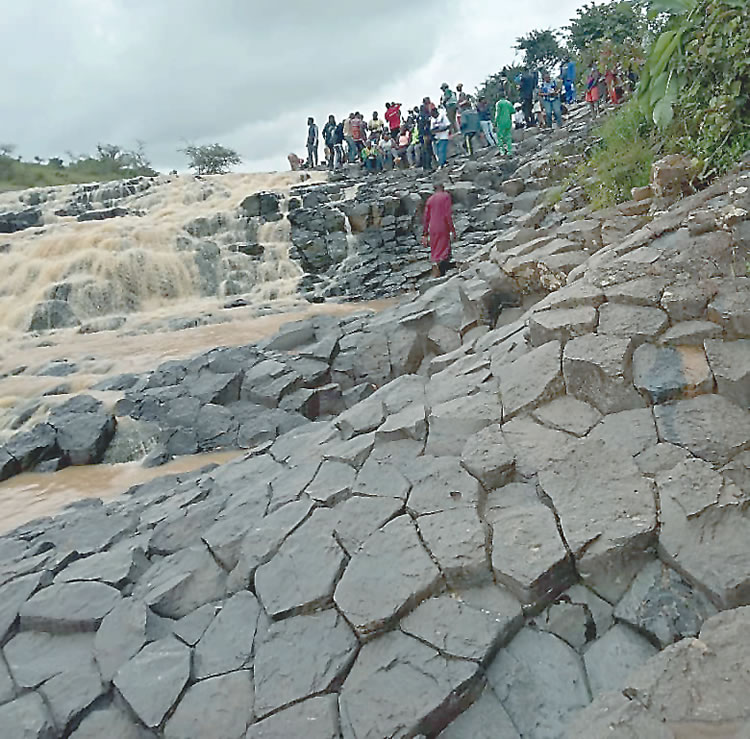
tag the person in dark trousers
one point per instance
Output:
(329, 131)
(526, 89)
(312, 143)
(424, 123)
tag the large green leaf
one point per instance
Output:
(674, 7)
(663, 113)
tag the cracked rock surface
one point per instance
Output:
(527, 514)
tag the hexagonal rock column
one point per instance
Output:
(666, 372)
(607, 508)
(597, 370)
(390, 573)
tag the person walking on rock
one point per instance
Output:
(450, 102)
(527, 85)
(424, 123)
(550, 92)
(440, 130)
(438, 229)
(504, 112)
(312, 143)
(485, 121)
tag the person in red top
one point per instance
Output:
(393, 118)
(438, 229)
(358, 132)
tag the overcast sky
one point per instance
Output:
(244, 73)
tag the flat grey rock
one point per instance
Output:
(391, 572)
(301, 656)
(182, 582)
(109, 721)
(561, 324)
(121, 635)
(121, 565)
(536, 447)
(380, 477)
(191, 628)
(439, 484)
(611, 658)
(27, 718)
(540, 681)
(69, 607)
(484, 719)
(531, 380)
(360, 516)
(12, 596)
(303, 572)
(690, 333)
(219, 706)
(332, 483)
(730, 364)
(397, 685)
(33, 657)
(710, 426)
(457, 540)
(637, 322)
(458, 628)
(661, 604)
(601, 530)
(229, 639)
(73, 690)
(568, 414)
(528, 556)
(151, 682)
(7, 688)
(459, 418)
(627, 431)
(487, 456)
(315, 718)
(597, 370)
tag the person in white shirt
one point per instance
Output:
(440, 131)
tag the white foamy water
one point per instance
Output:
(138, 263)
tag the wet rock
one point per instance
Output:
(27, 718)
(84, 430)
(390, 573)
(730, 364)
(8, 465)
(301, 656)
(662, 605)
(315, 718)
(665, 373)
(219, 706)
(541, 681)
(610, 659)
(30, 448)
(597, 370)
(401, 687)
(69, 607)
(151, 682)
(228, 641)
(709, 426)
(50, 314)
(303, 572)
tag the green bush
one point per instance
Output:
(620, 159)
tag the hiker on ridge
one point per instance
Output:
(312, 143)
(450, 102)
(438, 229)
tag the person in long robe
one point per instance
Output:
(438, 229)
(504, 112)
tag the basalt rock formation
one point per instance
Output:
(518, 509)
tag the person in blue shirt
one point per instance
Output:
(568, 74)
(549, 91)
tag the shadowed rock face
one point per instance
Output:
(448, 523)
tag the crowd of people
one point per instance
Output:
(420, 136)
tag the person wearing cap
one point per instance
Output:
(450, 102)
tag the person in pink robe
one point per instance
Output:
(438, 229)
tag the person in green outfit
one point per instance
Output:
(504, 124)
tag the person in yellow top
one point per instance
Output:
(375, 125)
(504, 111)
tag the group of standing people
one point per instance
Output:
(419, 136)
